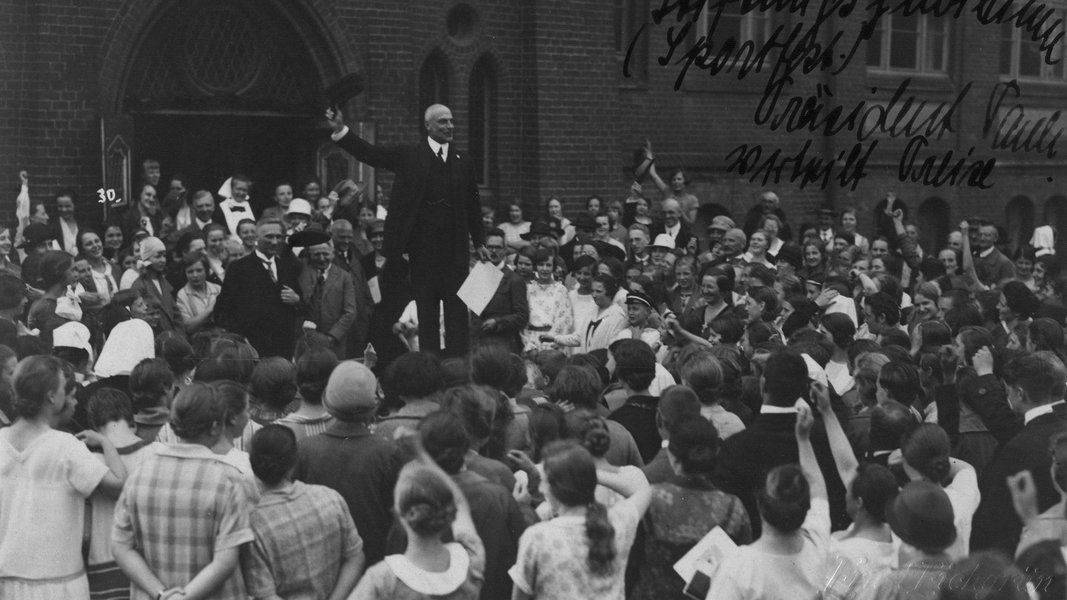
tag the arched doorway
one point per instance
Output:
(933, 224)
(217, 87)
(1056, 215)
(1019, 218)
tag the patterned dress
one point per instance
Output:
(550, 313)
(682, 512)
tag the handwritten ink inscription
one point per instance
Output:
(804, 48)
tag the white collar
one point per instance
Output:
(436, 146)
(985, 253)
(673, 231)
(1039, 411)
(201, 224)
(263, 257)
(432, 584)
(232, 202)
(767, 409)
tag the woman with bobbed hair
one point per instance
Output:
(762, 304)
(704, 374)
(926, 452)
(48, 475)
(582, 552)
(185, 486)
(789, 558)
(1017, 305)
(684, 509)
(293, 514)
(869, 540)
(477, 406)
(1045, 335)
(899, 381)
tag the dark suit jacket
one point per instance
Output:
(681, 240)
(411, 164)
(250, 304)
(770, 441)
(338, 303)
(510, 307)
(131, 222)
(995, 524)
(359, 333)
(169, 317)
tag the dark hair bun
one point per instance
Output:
(427, 519)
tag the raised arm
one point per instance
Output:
(808, 463)
(364, 151)
(844, 456)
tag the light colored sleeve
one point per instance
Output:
(185, 309)
(84, 471)
(563, 320)
(817, 523)
(524, 572)
(233, 527)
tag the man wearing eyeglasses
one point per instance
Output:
(434, 214)
(508, 311)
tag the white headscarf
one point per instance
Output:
(130, 342)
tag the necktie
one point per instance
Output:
(441, 153)
(237, 208)
(269, 264)
(315, 307)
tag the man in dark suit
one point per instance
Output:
(329, 292)
(434, 214)
(260, 297)
(672, 224)
(1035, 390)
(508, 311)
(770, 441)
(204, 213)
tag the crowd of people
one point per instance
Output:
(212, 398)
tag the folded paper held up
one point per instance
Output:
(478, 289)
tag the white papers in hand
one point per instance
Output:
(480, 286)
(706, 555)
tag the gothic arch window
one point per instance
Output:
(483, 107)
(1019, 217)
(433, 83)
(933, 224)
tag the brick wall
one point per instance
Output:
(567, 122)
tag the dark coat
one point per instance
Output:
(338, 307)
(770, 441)
(995, 524)
(166, 307)
(250, 304)
(685, 233)
(411, 164)
(510, 308)
(130, 222)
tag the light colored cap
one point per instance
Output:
(663, 240)
(299, 206)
